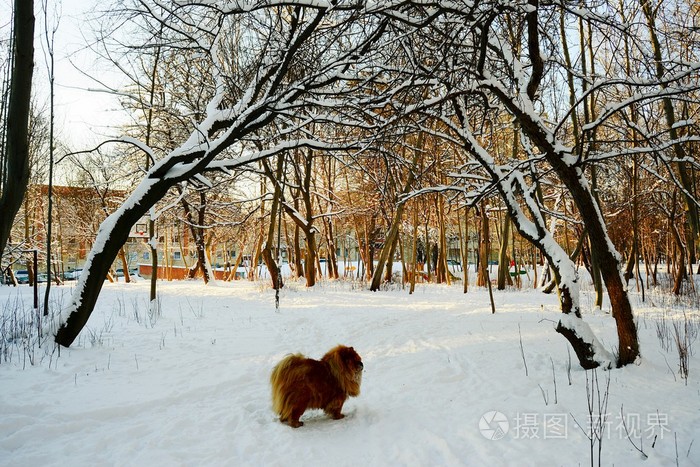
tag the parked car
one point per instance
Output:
(132, 272)
(22, 277)
(72, 274)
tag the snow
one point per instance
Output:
(190, 387)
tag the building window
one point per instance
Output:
(177, 256)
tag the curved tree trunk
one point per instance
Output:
(114, 231)
(588, 349)
(228, 117)
(112, 234)
(570, 172)
(608, 259)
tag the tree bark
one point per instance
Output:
(414, 250)
(389, 265)
(14, 186)
(125, 264)
(464, 249)
(503, 264)
(441, 270)
(387, 251)
(268, 257)
(484, 247)
(333, 272)
(680, 250)
(197, 231)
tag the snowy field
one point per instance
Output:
(446, 382)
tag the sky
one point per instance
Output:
(83, 115)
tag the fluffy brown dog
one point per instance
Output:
(300, 383)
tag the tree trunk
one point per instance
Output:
(14, 185)
(608, 262)
(388, 249)
(236, 263)
(570, 326)
(503, 263)
(428, 262)
(591, 354)
(153, 238)
(389, 267)
(268, 257)
(333, 272)
(112, 234)
(298, 265)
(484, 247)
(680, 261)
(441, 271)
(125, 264)
(366, 245)
(464, 249)
(255, 257)
(608, 259)
(414, 251)
(153, 246)
(310, 261)
(680, 250)
(197, 232)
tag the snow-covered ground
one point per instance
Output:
(445, 381)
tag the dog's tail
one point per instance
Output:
(279, 380)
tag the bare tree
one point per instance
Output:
(493, 72)
(266, 82)
(15, 177)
